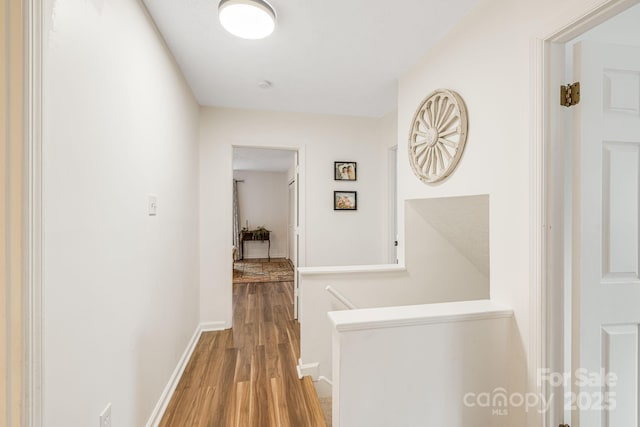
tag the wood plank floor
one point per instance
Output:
(246, 376)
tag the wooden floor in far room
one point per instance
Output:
(246, 376)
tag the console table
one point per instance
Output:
(256, 235)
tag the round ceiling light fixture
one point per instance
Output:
(247, 19)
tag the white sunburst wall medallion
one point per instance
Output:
(438, 136)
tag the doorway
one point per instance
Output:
(266, 216)
(591, 375)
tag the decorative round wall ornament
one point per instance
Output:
(438, 135)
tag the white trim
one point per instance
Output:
(417, 315)
(307, 369)
(213, 326)
(174, 379)
(537, 219)
(325, 379)
(588, 20)
(392, 202)
(349, 269)
(540, 345)
(167, 393)
(33, 322)
(297, 212)
(301, 229)
(337, 295)
(272, 255)
(301, 183)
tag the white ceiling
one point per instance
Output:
(325, 56)
(262, 159)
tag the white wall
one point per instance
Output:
(264, 201)
(120, 287)
(436, 270)
(415, 366)
(331, 238)
(488, 55)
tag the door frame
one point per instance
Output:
(32, 232)
(547, 169)
(291, 248)
(392, 165)
(300, 177)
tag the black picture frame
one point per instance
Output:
(345, 200)
(345, 171)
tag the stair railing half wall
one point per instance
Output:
(337, 295)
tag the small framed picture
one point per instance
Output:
(345, 200)
(344, 171)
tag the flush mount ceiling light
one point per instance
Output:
(248, 19)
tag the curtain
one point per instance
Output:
(236, 222)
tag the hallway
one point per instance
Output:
(246, 376)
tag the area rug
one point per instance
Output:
(262, 270)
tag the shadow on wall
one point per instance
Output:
(447, 259)
(447, 246)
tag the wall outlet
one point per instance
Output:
(105, 417)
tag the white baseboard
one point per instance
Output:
(167, 393)
(324, 387)
(213, 326)
(264, 255)
(305, 369)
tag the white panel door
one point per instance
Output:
(606, 281)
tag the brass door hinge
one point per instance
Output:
(570, 95)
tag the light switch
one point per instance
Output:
(153, 205)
